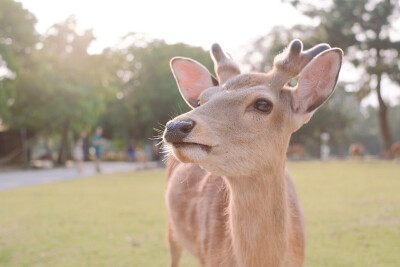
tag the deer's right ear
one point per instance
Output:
(316, 83)
(192, 78)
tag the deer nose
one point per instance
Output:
(177, 130)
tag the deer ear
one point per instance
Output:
(317, 82)
(192, 78)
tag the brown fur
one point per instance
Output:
(234, 204)
(296, 151)
(201, 201)
(395, 151)
(356, 150)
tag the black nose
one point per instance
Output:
(177, 130)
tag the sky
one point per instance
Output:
(233, 24)
(199, 23)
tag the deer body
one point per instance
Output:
(209, 210)
(230, 200)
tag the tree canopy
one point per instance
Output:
(51, 87)
(59, 89)
(364, 30)
(17, 40)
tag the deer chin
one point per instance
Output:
(190, 152)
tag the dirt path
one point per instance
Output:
(18, 178)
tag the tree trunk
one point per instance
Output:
(25, 148)
(48, 149)
(383, 122)
(62, 152)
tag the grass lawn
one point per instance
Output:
(352, 212)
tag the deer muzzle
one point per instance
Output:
(176, 131)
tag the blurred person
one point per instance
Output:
(79, 151)
(98, 142)
(156, 150)
(131, 150)
(141, 157)
(86, 146)
(148, 150)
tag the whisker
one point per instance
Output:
(159, 143)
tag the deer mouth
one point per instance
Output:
(189, 145)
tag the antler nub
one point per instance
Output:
(217, 52)
(295, 47)
(290, 63)
(224, 66)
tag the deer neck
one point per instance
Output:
(258, 216)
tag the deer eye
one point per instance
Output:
(263, 105)
(198, 102)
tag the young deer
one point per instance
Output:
(230, 200)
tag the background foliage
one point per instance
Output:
(52, 88)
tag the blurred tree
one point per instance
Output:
(64, 89)
(394, 119)
(149, 96)
(366, 128)
(364, 30)
(336, 117)
(17, 39)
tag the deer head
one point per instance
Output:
(242, 123)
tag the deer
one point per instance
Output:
(395, 151)
(356, 150)
(229, 197)
(296, 152)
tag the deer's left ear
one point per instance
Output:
(317, 82)
(192, 78)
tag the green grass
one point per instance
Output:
(352, 213)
